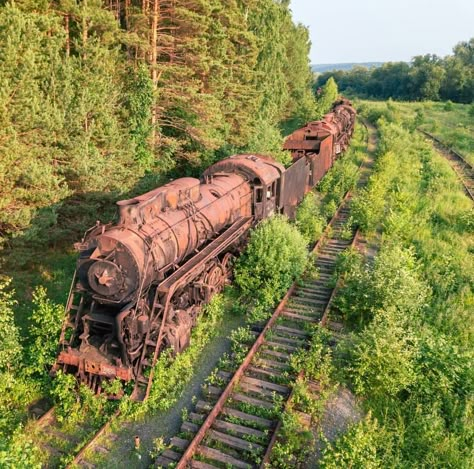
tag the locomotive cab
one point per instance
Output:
(264, 175)
(265, 198)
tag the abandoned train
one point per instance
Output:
(140, 283)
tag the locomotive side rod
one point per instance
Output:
(183, 276)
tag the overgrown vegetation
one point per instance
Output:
(411, 354)
(453, 126)
(264, 275)
(94, 95)
(101, 102)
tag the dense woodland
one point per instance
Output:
(427, 77)
(96, 95)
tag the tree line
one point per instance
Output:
(427, 77)
(95, 95)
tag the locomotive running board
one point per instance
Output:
(167, 288)
(215, 247)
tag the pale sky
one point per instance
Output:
(383, 30)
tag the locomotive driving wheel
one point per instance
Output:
(214, 281)
(227, 263)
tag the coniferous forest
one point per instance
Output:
(96, 95)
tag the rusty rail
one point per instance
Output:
(308, 299)
(47, 423)
(324, 319)
(463, 169)
(218, 407)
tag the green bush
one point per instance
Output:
(383, 358)
(19, 452)
(293, 445)
(275, 256)
(10, 347)
(45, 327)
(471, 110)
(393, 282)
(359, 448)
(309, 220)
(448, 106)
(325, 100)
(64, 393)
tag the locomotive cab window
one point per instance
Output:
(271, 191)
(259, 195)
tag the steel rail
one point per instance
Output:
(219, 405)
(467, 170)
(47, 417)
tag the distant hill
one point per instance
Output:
(321, 68)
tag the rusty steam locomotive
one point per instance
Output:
(140, 283)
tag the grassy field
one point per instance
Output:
(452, 123)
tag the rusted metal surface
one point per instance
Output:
(337, 126)
(140, 283)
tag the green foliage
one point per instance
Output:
(241, 338)
(360, 447)
(471, 110)
(139, 101)
(264, 274)
(315, 361)
(266, 139)
(411, 359)
(448, 106)
(16, 392)
(19, 451)
(65, 397)
(10, 346)
(383, 359)
(326, 98)
(309, 220)
(78, 403)
(427, 77)
(293, 445)
(337, 181)
(46, 321)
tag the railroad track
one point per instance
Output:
(228, 429)
(65, 447)
(463, 169)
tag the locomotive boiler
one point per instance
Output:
(140, 283)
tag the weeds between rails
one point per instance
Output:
(220, 378)
(66, 457)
